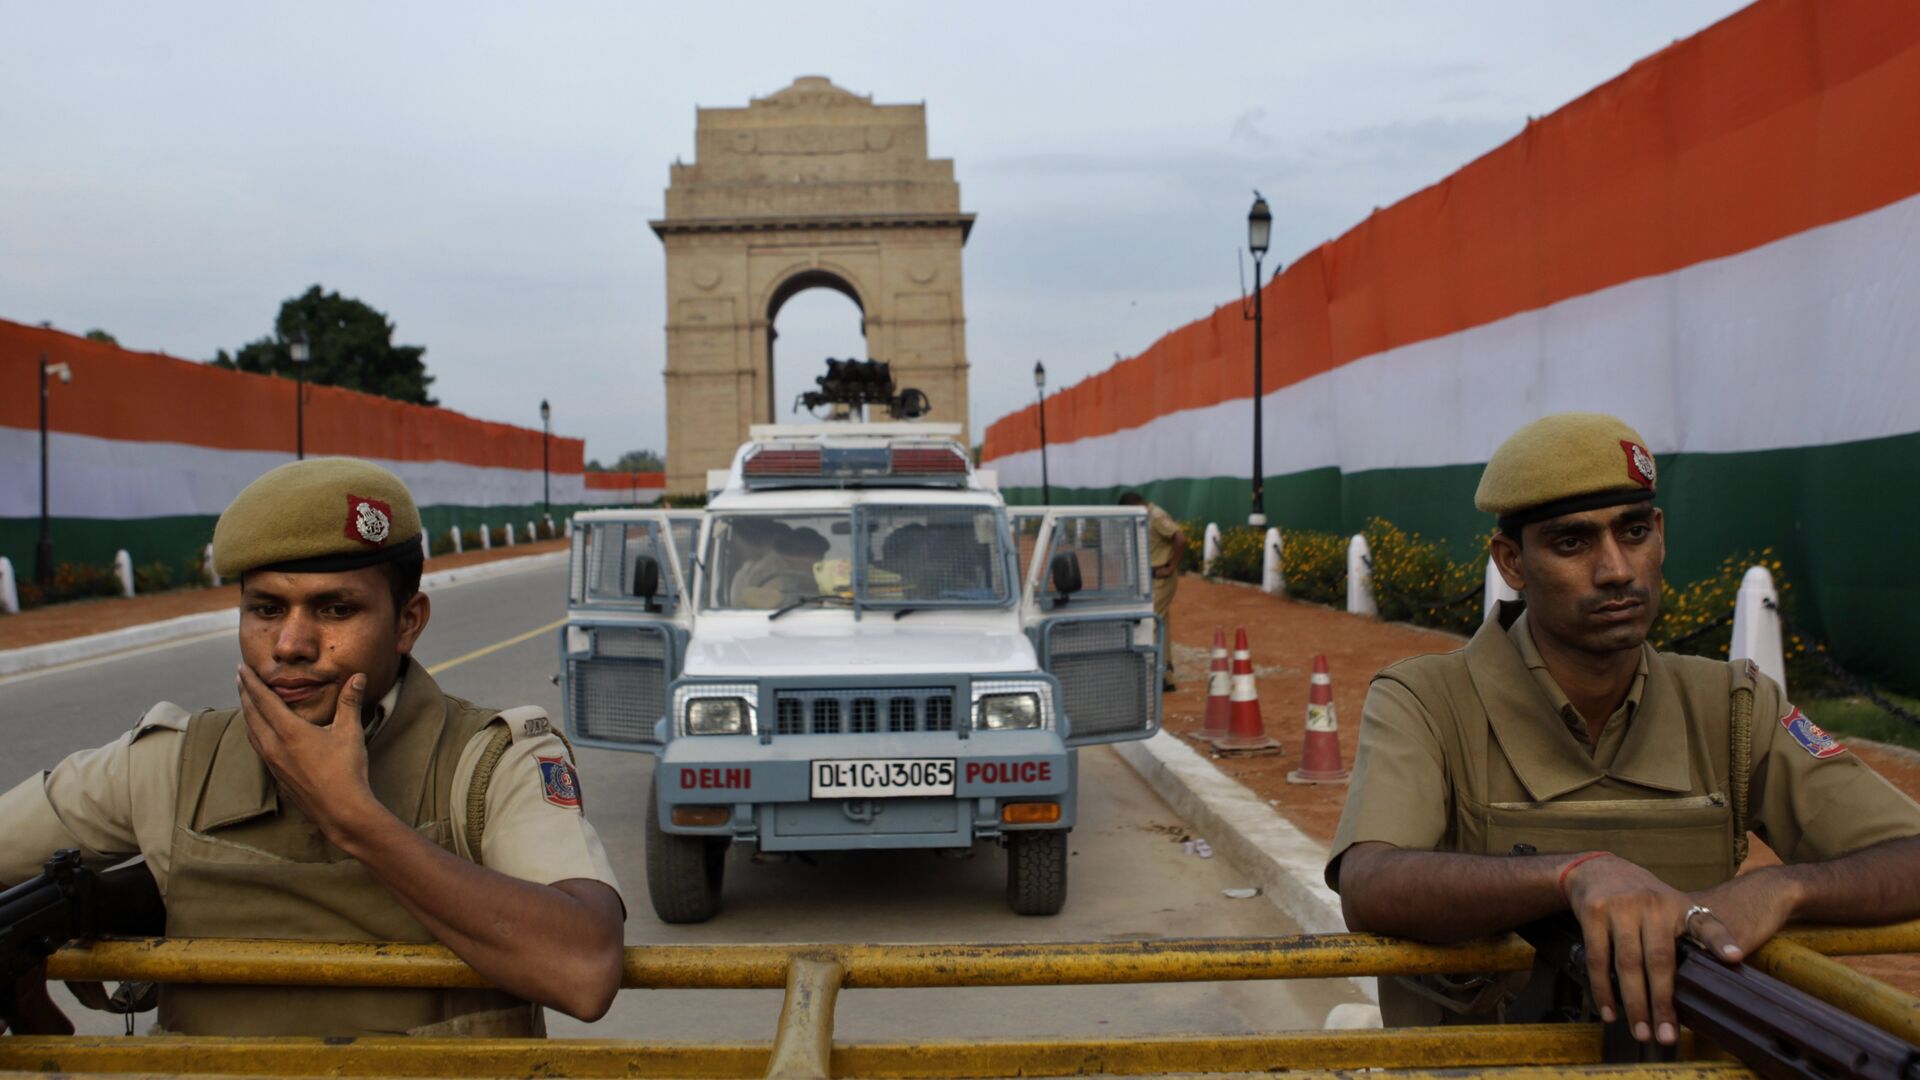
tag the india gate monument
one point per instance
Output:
(810, 187)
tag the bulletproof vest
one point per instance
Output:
(1516, 788)
(249, 863)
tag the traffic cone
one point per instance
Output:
(1219, 691)
(1320, 759)
(1246, 730)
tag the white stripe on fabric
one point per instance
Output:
(1811, 340)
(91, 477)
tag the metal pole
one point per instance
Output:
(300, 411)
(1046, 486)
(546, 485)
(1257, 516)
(43, 554)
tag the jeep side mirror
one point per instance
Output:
(1064, 572)
(646, 580)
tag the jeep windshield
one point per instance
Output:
(874, 556)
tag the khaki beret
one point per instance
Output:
(317, 516)
(1564, 464)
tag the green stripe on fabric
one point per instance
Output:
(1842, 518)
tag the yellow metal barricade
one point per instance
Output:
(813, 975)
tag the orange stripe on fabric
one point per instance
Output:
(625, 481)
(1787, 115)
(147, 397)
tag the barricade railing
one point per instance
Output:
(813, 975)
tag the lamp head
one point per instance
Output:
(546, 411)
(1039, 375)
(300, 348)
(1259, 226)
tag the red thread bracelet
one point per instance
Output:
(1568, 869)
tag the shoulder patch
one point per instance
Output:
(1811, 737)
(165, 715)
(527, 722)
(560, 784)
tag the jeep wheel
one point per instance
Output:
(1037, 872)
(683, 872)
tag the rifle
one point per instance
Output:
(1778, 1031)
(66, 901)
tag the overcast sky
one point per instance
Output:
(484, 173)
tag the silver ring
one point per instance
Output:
(1687, 925)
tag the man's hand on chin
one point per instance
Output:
(323, 769)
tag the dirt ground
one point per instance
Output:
(61, 621)
(1285, 635)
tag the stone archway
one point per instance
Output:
(784, 290)
(809, 187)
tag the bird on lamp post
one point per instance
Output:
(1040, 387)
(300, 349)
(546, 440)
(1259, 234)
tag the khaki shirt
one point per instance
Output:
(1161, 529)
(117, 801)
(1437, 774)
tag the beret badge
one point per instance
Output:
(369, 521)
(1639, 464)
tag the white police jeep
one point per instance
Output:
(855, 647)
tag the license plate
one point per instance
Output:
(882, 778)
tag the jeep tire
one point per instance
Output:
(684, 873)
(1037, 871)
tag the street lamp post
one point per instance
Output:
(546, 439)
(1259, 232)
(301, 350)
(43, 552)
(1040, 386)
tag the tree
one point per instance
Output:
(97, 334)
(352, 347)
(632, 461)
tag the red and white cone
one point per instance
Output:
(1246, 731)
(1219, 691)
(1320, 760)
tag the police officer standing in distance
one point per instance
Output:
(1559, 763)
(346, 798)
(1166, 547)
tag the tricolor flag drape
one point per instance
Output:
(1721, 245)
(615, 489)
(145, 450)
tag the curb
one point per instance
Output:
(1285, 862)
(55, 653)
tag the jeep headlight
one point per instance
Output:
(1007, 712)
(716, 716)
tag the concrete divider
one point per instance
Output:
(1360, 577)
(1496, 590)
(1756, 628)
(1273, 577)
(123, 569)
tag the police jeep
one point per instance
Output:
(857, 645)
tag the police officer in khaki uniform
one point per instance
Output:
(1559, 763)
(1166, 547)
(346, 798)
